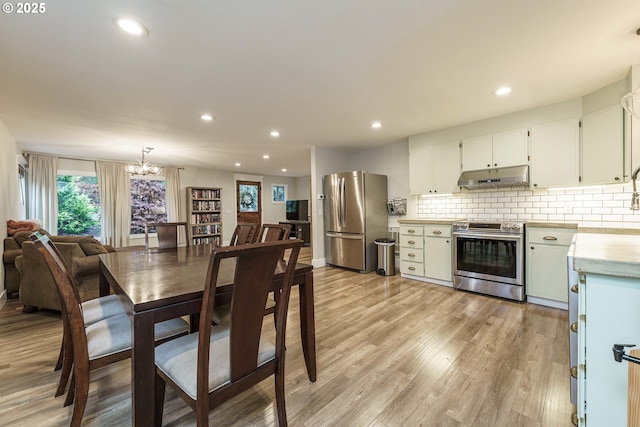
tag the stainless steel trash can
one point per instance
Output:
(386, 257)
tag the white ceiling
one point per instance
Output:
(320, 71)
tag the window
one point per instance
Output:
(279, 193)
(148, 203)
(78, 205)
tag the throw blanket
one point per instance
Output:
(14, 226)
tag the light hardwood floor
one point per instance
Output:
(391, 352)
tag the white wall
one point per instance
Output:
(11, 206)
(273, 212)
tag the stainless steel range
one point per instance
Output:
(488, 258)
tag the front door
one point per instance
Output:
(249, 207)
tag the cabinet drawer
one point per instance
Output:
(437, 230)
(411, 230)
(550, 236)
(412, 254)
(411, 242)
(414, 268)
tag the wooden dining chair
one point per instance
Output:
(273, 232)
(90, 347)
(167, 233)
(267, 233)
(93, 310)
(243, 234)
(218, 362)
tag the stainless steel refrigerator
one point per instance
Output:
(355, 214)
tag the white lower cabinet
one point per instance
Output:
(546, 265)
(425, 252)
(609, 316)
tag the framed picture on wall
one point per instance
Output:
(279, 192)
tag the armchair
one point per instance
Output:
(37, 288)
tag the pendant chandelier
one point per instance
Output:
(143, 167)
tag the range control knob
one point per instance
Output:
(515, 227)
(507, 226)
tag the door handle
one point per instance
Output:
(411, 242)
(437, 232)
(619, 354)
(412, 255)
(574, 288)
(549, 238)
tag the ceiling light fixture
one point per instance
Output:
(237, 164)
(265, 156)
(502, 91)
(206, 117)
(132, 27)
(274, 133)
(143, 167)
(376, 125)
(284, 169)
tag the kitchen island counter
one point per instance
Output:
(608, 254)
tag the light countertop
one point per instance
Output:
(427, 221)
(609, 254)
(551, 224)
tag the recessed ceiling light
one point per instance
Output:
(284, 169)
(265, 156)
(376, 125)
(502, 91)
(132, 27)
(206, 117)
(237, 164)
(274, 133)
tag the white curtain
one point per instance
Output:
(115, 204)
(172, 198)
(43, 191)
(172, 194)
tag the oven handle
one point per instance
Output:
(490, 236)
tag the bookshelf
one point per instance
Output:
(204, 215)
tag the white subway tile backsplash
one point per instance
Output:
(590, 206)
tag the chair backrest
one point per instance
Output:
(167, 233)
(253, 280)
(273, 232)
(70, 302)
(243, 234)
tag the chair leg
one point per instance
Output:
(60, 356)
(159, 401)
(280, 400)
(71, 393)
(67, 366)
(80, 400)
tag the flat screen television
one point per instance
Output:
(297, 210)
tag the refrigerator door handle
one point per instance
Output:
(346, 236)
(343, 203)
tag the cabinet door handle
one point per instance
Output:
(617, 178)
(574, 371)
(412, 268)
(574, 288)
(411, 254)
(447, 241)
(574, 327)
(437, 232)
(411, 242)
(532, 247)
(411, 230)
(549, 238)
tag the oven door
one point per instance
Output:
(495, 257)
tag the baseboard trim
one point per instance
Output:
(548, 302)
(3, 298)
(319, 262)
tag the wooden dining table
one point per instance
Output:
(160, 284)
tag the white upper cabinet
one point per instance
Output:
(477, 153)
(555, 154)
(434, 168)
(603, 147)
(510, 148)
(501, 149)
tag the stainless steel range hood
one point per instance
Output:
(514, 176)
